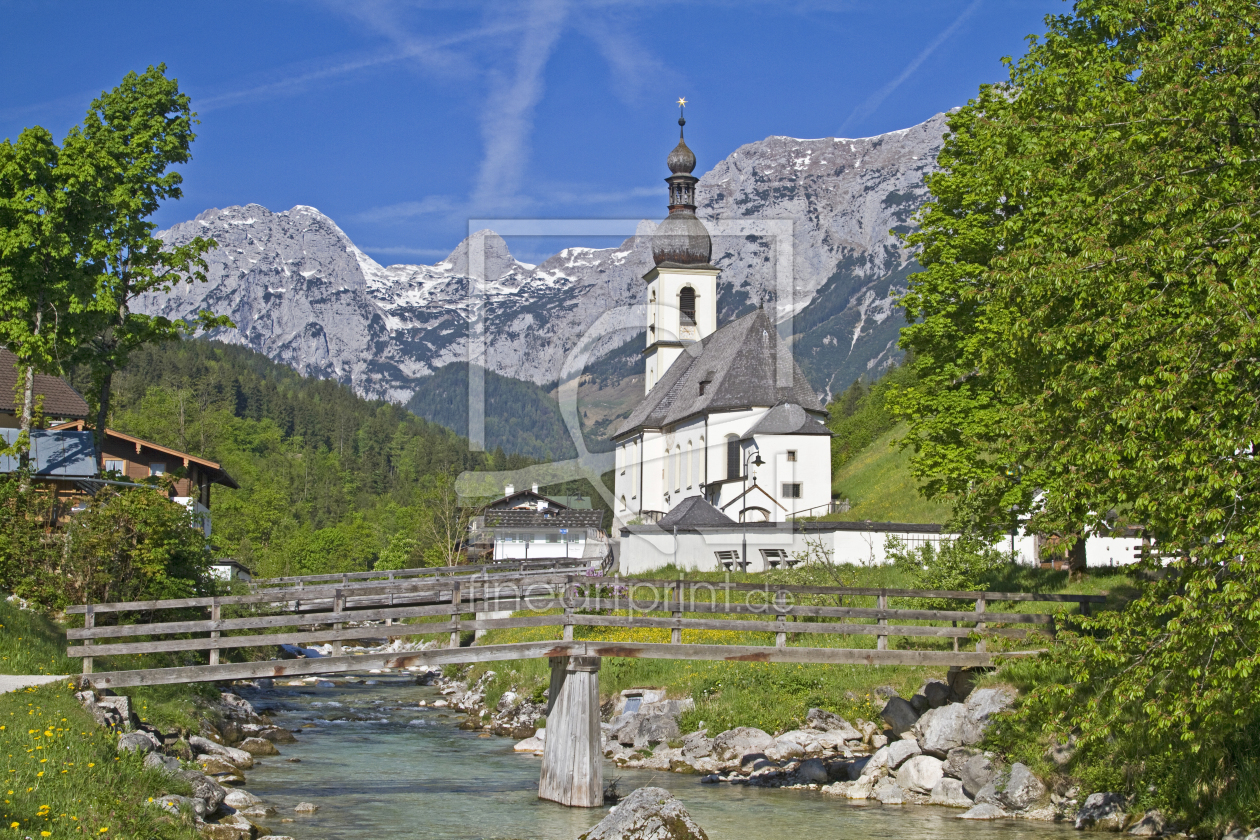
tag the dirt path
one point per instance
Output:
(14, 682)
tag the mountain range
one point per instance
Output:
(300, 291)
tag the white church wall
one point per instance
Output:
(810, 468)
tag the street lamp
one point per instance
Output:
(743, 516)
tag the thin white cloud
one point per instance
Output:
(877, 98)
(404, 251)
(431, 205)
(507, 119)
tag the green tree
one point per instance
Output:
(44, 289)
(132, 135)
(1087, 314)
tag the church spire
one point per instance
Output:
(682, 238)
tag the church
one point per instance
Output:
(729, 429)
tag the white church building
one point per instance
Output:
(728, 417)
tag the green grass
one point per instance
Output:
(33, 643)
(63, 777)
(879, 487)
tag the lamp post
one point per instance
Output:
(743, 514)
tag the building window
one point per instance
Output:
(113, 465)
(687, 306)
(157, 468)
(791, 490)
(732, 457)
(791, 454)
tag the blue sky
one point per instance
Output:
(403, 120)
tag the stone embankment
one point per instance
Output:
(212, 762)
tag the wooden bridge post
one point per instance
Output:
(675, 634)
(455, 599)
(214, 634)
(573, 753)
(980, 611)
(780, 601)
(881, 641)
(339, 604)
(89, 621)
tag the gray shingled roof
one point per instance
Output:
(788, 419)
(544, 519)
(738, 364)
(694, 512)
(60, 400)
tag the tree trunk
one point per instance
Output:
(1076, 556)
(102, 414)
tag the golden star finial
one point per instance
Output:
(682, 102)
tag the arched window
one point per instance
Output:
(687, 306)
(678, 479)
(691, 466)
(623, 501)
(732, 456)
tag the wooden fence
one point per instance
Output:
(317, 612)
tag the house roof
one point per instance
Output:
(215, 470)
(739, 366)
(54, 454)
(60, 400)
(694, 512)
(788, 419)
(524, 497)
(544, 518)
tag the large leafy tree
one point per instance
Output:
(132, 136)
(45, 290)
(1087, 322)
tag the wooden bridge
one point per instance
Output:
(336, 609)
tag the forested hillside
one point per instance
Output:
(329, 481)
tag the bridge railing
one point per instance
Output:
(336, 613)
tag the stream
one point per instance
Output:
(378, 765)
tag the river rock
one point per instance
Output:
(734, 744)
(982, 705)
(812, 772)
(785, 748)
(901, 751)
(213, 765)
(697, 745)
(877, 764)
(899, 715)
(1022, 788)
(240, 758)
(984, 811)
(957, 758)
(210, 792)
(936, 692)
(240, 799)
(259, 747)
(305, 808)
(257, 811)
(165, 763)
(224, 831)
(977, 772)
(276, 735)
(888, 792)
(943, 729)
(531, 745)
(174, 804)
(122, 705)
(649, 813)
(137, 742)
(920, 773)
(1104, 810)
(655, 729)
(949, 792)
(833, 724)
(861, 788)
(1153, 824)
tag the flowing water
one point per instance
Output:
(379, 765)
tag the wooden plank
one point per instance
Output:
(215, 615)
(89, 621)
(537, 650)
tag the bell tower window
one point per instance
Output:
(687, 306)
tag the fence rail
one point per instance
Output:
(319, 614)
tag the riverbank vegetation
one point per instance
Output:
(1083, 338)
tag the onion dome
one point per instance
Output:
(682, 239)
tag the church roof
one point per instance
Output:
(694, 512)
(737, 365)
(788, 419)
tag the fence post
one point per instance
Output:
(339, 604)
(214, 634)
(568, 612)
(980, 610)
(881, 642)
(675, 634)
(780, 600)
(89, 621)
(455, 599)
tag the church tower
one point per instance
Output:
(682, 287)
